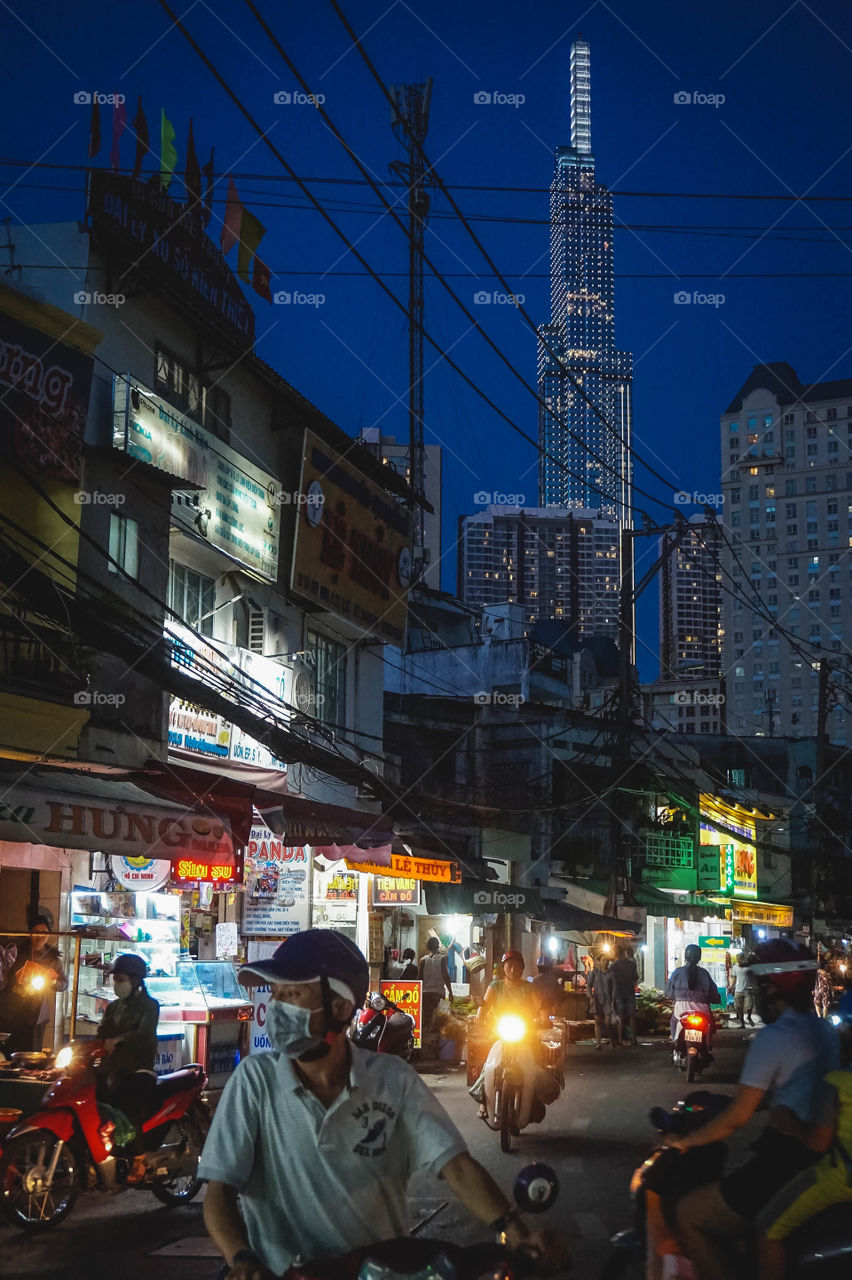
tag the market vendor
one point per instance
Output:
(34, 979)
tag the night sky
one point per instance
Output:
(783, 128)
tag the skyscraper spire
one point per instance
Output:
(581, 97)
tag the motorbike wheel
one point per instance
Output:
(691, 1065)
(24, 1162)
(507, 1108)
(185, 1187)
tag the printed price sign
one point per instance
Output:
(408, 996)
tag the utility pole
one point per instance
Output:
(410, 122)
(818, 828)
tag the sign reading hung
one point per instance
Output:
(352, 554)
(235, 505)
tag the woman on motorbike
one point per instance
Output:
(692, 989)
(129, 1033)
(510, 994)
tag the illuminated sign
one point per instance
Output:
(395, 891)
(408, 995)
(716, 943)
(189, 869)
(352, 553)
(234, 504)
(763, 913)
(415, 868)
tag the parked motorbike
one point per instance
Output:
(67, 1147)
(536, 1189)
(649, 1250)
(692, 1043)
(517, 1089)
(384, 1027)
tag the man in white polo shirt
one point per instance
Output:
(312, 1145)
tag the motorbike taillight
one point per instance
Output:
(696, 1020)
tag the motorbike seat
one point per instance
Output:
(177, 1080)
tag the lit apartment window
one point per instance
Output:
(123, 545)
(192, 596)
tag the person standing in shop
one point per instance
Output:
(36, 977)
(435, 977)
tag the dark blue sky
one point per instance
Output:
(784, 127)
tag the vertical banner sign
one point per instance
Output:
(259, 1041)
(408, 996)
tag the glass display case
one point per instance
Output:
(213, 1009)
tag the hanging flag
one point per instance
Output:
(192, 176)
(119, 124)
(95, 129)
(140, 129)
(252, 232)
(260, 279)
(208, 193)
(233, 219)
(168, 151)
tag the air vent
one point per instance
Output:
(256, 629)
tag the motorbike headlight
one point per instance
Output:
(64, 1057)
(511, 1028)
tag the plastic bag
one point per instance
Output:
(443, 1006)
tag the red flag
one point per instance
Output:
(192, 176)
(252, 232)
(208, 193)
(119, 124)
(233, 218)
(260, 279)
(140, 128)
(95, 129)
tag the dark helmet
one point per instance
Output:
(512, 955)
(132, 966)
(692, 954)
(544, 962)
(790, 966)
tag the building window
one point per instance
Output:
(329, 671)
(123, 545)
(192, 596)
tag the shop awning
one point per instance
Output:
(333, 831)
(71, 810)
(566, 918)
(481, 897)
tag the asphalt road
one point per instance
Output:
(594, 1136)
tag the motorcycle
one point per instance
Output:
(692, 1043)
(383, 1027)
(536, 1189)
(649, 1250)
(50, 1157)
(517, 1089)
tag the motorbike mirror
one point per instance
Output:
(536, 1188)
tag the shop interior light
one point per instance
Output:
(552, 945)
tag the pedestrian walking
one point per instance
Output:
(743, 990)
(624, 975)
(599, 987)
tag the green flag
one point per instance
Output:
(251, 234)
(168, 150)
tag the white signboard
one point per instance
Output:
(335, 896)
(277, 684)
(142, 875)
(276, 903)
(235, 505)
(259, 1041)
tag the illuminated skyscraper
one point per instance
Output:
(580, 338)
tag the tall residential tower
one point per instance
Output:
(588, 437)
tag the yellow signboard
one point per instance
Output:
(412, 868)
(352, 551)
(763, 913)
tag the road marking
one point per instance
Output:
(188, 1247)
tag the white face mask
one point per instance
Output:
(288, 1027)
(122, 987)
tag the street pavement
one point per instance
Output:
(593, 1136)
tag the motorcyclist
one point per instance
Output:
(511, 994)
(129, 1032)
(692, 989)
(785, 1066)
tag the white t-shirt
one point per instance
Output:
(316, 1182)
(433, 973)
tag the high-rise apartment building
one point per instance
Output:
(588, 434)
(787, 483)
(691, 601)
(556, 563)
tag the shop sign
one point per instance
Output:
(739, 868)
(718, 942)
(45, 388)
(408, 995)
(277, 878)
(234, 504)
(259, 1041)
(202, 872)
(352, 552)
(164, 241)
(763, 913)
(335, 898)
(169, 1055)
(708, 868)
(390, 891)
(414, 868)
(142, 875)
(273, 683)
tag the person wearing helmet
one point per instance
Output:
(784, 1067)
(691, 988)
(511, 993)
(312, 1145)
(129, 1033)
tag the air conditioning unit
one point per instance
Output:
(304, 688)
(266, 632)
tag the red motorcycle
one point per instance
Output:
(67, 1147)
(384, 1027)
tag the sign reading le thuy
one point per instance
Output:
(233, 504)
(352, 552)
